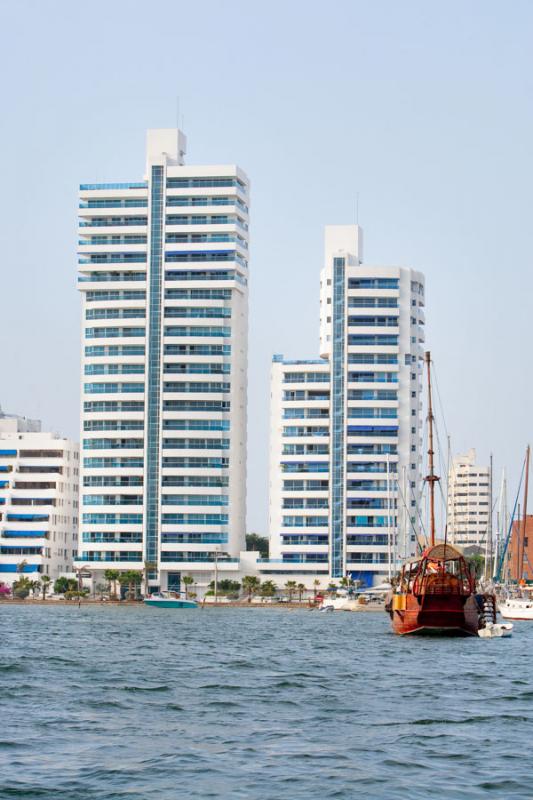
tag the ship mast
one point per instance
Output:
(431, 478)
(522, 537)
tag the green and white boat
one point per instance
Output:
(169, 600)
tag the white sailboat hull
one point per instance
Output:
(517, 609)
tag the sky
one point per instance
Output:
(422, 109)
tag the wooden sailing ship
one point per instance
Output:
(435, 593)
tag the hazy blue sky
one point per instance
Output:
(423, 108)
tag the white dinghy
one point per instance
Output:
(495, 630)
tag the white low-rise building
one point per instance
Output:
(39, 475)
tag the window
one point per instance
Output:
(373, 283)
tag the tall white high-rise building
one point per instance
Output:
(468, 501)
(164, 271)
(38, 500)
(346, 428)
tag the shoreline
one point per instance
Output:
(127, 604)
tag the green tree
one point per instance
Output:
(148, 566)
(22, 587)
(256, 542)
(187, 581)
(268, 589)
(21, 567)
(250, 585)
(112, 576)
(45, 585)
(226, 587)
(316, 587)
(290, 587)
(35, 587)
(73, 594)
(131, 578)
(61, 585)
(99, 589)
(476, 562)
(301, 589)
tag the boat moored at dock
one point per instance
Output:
(520, 608)
(169, 600)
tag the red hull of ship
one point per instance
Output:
(437, 614)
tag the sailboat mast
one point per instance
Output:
(491, 520)
(431, 477)
(488, 535)
(522, 538)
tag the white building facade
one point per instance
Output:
(346, 429)
(39, 475)
(163, 268)
(469, 500)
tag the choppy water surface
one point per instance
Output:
(101, 703)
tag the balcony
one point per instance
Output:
(111, 557)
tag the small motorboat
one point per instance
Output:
(516, 608)
(169, 600)
(327, 609)
(495, 630)
(342, 602)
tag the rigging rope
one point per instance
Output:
(504, 551)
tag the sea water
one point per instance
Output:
(107, 702)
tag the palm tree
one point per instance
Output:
(149, 566)
(268, 589)
(132, 579)
(21, 587)
(112, 576)
(21, 566)
(290, 586)
(100, 589)
(35, 587)
(45, 585)
(316, 587)
(188, 580)
(251, 585)
(301, 589)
